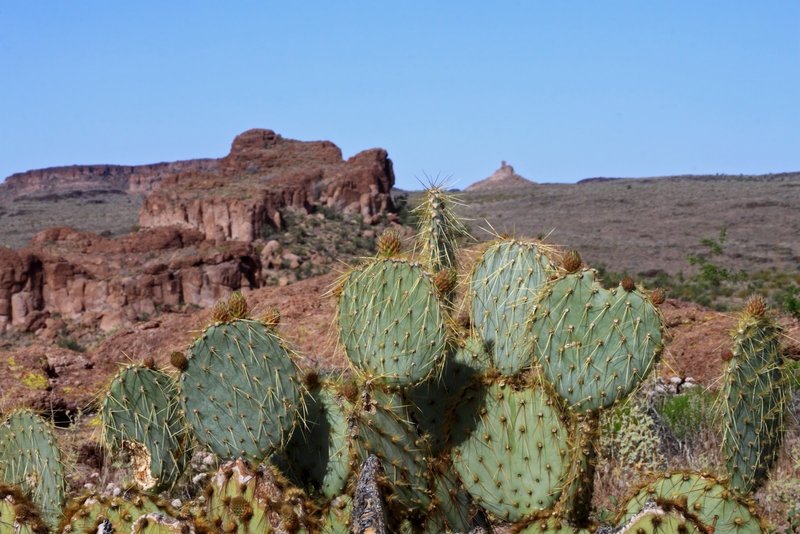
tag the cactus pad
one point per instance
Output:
(711, 503)
(594, 345)
(245, 501)
(17, 514)
(141, 414)
(551, 525)
(157, 523)
(240, 390)
(391, 322)
(657, 520)
(382, 426)
(503, 289)
(318, 451)
(513, 455)
(115, 514)
(754, 401)
(30, 459)
(337, 518)
(438, 229)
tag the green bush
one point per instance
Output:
(686, 414)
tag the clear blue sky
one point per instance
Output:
(562, 90)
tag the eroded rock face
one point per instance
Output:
(111, 282)
(263, 174)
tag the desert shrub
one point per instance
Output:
(69, 343)
(630, 437)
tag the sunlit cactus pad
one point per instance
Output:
(99, 513)
(503, 289)
(391, 322)
(594, 345)
(657, 520)
(551, 525)
(514, 453)
(245, 500)
(17, 514)
(754, 402)
(711, 503)
(30, 458)
(141, 414)
(240, 390)
(336, 519)
(156, 523)
(319, 451)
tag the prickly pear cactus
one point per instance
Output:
(710, 503)
(754, 399)
(503, 289)
(450, 510)
(318, 451)
(30, 458)
(548, 524)
(17, 514)
(594, 345)
(157, 523)
(391, 323)
(247, 501)
(141, 414)
(240, 390)
(438, 230)
(511, 448)
(431, 401)
(661, 520)
(104, 514)
(381, 426)
(336, 519)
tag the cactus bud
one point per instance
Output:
(237, 306)
(445, 281)
(149, 362)
(178, 360)
(572, 261)
(658, 297)
(628, 284)
(271, 318)
(389, 244)
(220, 313)
(756, 306)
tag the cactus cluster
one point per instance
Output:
(446, 418)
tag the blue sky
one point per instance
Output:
(561, 90)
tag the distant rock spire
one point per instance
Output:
(504, 177)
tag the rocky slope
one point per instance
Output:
(207, 228)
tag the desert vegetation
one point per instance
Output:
(504, 386)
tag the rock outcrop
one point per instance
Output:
(71, 275)
(263, 174)
(82, 178)
(504, 177)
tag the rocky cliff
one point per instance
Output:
(66, 275)
(125, 178)
(263, 174)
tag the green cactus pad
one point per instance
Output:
(240, 390)
(114, 514)
(438, 230)
(30, 458)
(382, 426)
(391, 323)
(503, 290)
(17, 514)
(511, 448)
(157, 523)
(431, 401)
(656, 520)
(450, 510)
(711, 503)
(318, 451)
(594, 345)
(337, 518)
(754, 402)
(551, 525)
(247, 501)
(140, 414)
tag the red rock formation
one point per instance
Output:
(126, 178)
(263, 174)
(110, 282)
